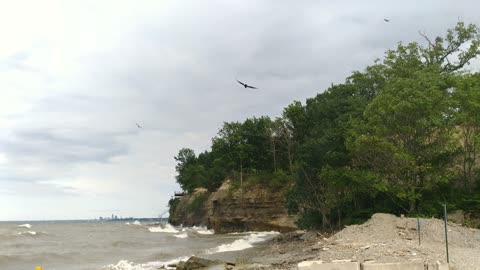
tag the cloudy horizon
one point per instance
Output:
(77, 76)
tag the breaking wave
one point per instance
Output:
(126, 265)
(30, 234)
(202, 230)
(246, 242)
(28, 226)
(27, 233)
(165, 229)
(179, 232)
(136, 222)
(182, 235)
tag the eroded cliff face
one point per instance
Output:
(227, 210)
(251, 209)
(190, 210)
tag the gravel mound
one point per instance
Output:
(383, 238)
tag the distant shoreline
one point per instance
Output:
(84, 220)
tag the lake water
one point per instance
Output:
(95, 245)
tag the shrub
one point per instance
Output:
(198, 202)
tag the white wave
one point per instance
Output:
(126, 265)
(243, 233)
(25, 226)
(27, 232)
(182, 235)
(243, 243)
(239, 244)
(136, 223)
(206, 232)
(166, 229)
(203, 230)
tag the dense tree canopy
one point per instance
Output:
(401, 136)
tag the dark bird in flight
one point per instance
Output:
(386, 20)
(246, 85)
(138, 125)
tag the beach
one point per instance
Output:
(384, 238)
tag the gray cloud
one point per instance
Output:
(14, 62)
(58, 148)
(171, 67)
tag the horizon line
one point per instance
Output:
(83, 219)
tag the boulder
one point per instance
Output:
(199, 263)
(311, 235)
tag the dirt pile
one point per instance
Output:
(384, 228)
(384, 238)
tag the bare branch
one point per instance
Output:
(430, 44)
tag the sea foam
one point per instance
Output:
(28, 226)
(182, 235)
(126, 265)
(166, 229)
(136, 223)
(27, 233)
(246, 242)
(202, 230)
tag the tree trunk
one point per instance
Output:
(339, 219)
(324, 220)
(290, 157)
(274, 157)
(412, 207)
(241, 175)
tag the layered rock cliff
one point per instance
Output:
(190, 210)
(256, 208)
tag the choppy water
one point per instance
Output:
(95, 245)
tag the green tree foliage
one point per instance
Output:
(466, 98)
(455, 50)
(408, 129)
(206, 170)
(246, 145)
(323, 159)
(401, 136)
(186, 161)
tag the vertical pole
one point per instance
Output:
(418, 230)
(446, 230)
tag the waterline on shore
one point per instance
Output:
(246, 242)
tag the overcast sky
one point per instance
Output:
(76, 77)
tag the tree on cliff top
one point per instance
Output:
(191, 174)
(382, 141)
(406, 135)
(466, 97)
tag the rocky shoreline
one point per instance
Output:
(384, 238)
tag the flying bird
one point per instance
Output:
(386, 20)
(246, 85)
(138, 125)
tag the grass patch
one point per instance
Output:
(274, 180)
(197, 203)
